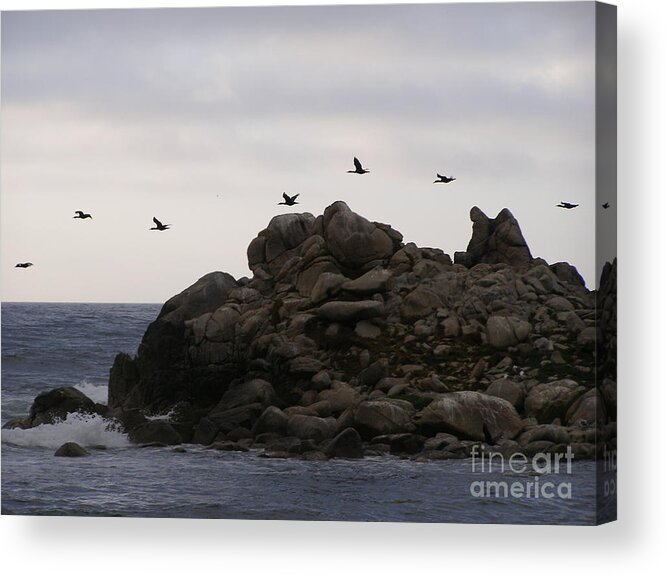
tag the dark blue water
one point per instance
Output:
(50, 345)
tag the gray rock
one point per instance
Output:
(472, 415)
(71, 449)
(346, 444)
(558, 303)
(284, 232)
(547, 401)
(272, 420)
(253, 391)
(326, 286)
(588, 337)
(367, 330)
(419, 303)
(310, 427)
(373, 373)
(341, 396)
(589, 408)
(305, 366)
(503, 332)
(155, 431)
(509, 390)
(57, 404)
(350, 311)
(498, 240)
(402, 443)
(382, 417)
(551, 433)
(353, 240)
(374, 281)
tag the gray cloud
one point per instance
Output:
(209, 114)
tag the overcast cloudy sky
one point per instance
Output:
(203, 117)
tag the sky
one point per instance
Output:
(204, 117)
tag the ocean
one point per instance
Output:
(48, 345)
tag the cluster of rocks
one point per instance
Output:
(347, 342)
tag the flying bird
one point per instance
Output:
(443, 179)
(159, 226)
(605, 206)
(24, 265)
(359, 168)
(288, 200)
(567, 205)
(81, 216)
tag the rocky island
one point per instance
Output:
(347, 342)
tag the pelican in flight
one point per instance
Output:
(359, 168)
(24, 265)
(159, 226)
(443, 179)
(567, 205)
(288, 200)
(81, 216)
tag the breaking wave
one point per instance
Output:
(98, 393)
(85, 429)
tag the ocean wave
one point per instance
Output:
(98, 393)
(85, 429)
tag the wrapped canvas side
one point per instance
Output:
(606, 260)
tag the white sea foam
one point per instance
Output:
(98, 393)
(161, 416)
(84, 429)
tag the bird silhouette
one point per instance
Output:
(605, 206)
(443, 179)
(81, 216)
(288, 200)
(24, 265)
(359, 169)
(567, 205)
(159, 226)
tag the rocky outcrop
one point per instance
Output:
(345, 340)
(495, 241)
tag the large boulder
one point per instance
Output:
(311, 427)
(503, 332)
(548, 401)
(509, 390)
(253, 391)
(57, 404)
(346, 444)
(272, 420)
(381, 417)
(420, 302)
(589, 408)
(353, 240)
(471, 415)
(155, 431)
(205, 295)
(284, 232)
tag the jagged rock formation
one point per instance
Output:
(346, 340)
(497, 241)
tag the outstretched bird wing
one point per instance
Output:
(294, 197)
(357, 164)
(157, 222)
(286, 197)
(78, 213)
